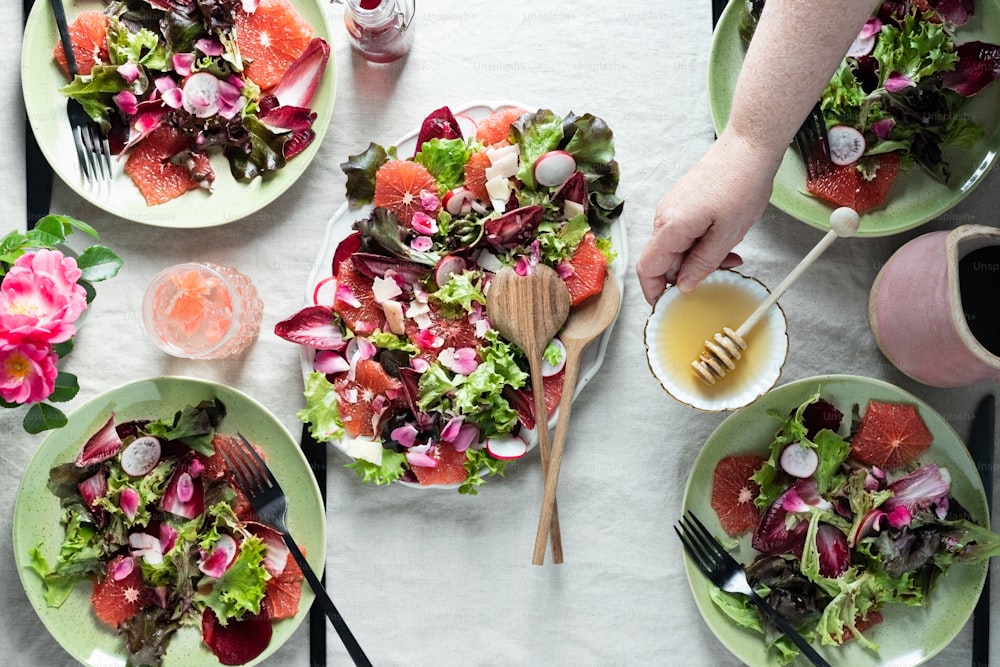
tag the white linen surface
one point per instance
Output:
(435, 578)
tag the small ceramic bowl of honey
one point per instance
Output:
(680, 323)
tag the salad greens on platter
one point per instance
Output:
(839, 537)
(180, 65)
(409, 377)
(154, 523)
(904, 85)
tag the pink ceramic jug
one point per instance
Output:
(917, 314)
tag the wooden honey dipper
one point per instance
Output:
(722, 353)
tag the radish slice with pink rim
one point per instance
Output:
(506, 448)
(799, 460)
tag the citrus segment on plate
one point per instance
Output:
(733, 492)
(495, 128)
(88, 35)
(158, 178)
(270, 39)
(907, 635)
(890, 435)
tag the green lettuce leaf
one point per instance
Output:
(241, 588)
(445, 160)
(393, 467)
(321, 412)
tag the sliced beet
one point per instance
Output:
(821, 415)
(239, 641)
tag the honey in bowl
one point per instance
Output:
(680, 323)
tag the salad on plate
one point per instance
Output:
(167, 539)
(843, 526)
(172, 83)
(899, 98)
(409, 378)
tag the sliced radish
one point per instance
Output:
(201, 94)
(325, 291)
(799, 460)
(847, 145)
(549, 369)
(553, 168)
(458, 201)
(141, 456)
(507, 448)
(446, 267)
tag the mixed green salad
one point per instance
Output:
(165, 540)
(409, 376)
(905, 85)
(839, 538)
(180, 65)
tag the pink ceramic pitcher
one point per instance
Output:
(917, 315)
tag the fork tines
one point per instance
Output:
(700, 545)
(811, 142)
(94, 153)
(251, 473)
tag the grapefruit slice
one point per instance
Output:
(281, 599)
(733, 492)
(370, 394)
(589, 270)
(442, 333)
(398, 184)
(355, 300)
(890, 435)
(475, 175)
(270, 40)
(494, 128)
(449, 470)
(150, 167)
(846, 185)
(119, 600)
(89, 35)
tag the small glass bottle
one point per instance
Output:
(380, 30)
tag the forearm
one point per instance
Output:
(780, 80)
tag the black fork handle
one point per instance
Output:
(350, 643)
(790, 632)
(67, 45)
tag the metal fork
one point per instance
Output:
(92, 149)
(270, 504)
(723, 571)
(811, 142)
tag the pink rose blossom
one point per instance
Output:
(40, 298)
(27, 372)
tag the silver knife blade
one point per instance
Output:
(981, 444)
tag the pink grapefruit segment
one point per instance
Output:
(270, 39)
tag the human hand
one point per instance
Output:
(705, 214)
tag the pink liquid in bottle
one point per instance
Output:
(380, 30)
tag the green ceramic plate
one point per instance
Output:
(908, 635)
(37, 513)
(915, 198)
(229, 200)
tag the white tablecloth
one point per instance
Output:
(435, 578)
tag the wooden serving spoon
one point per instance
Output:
(528, 311)
(587, 321)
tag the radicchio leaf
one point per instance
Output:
(101, 446)
(439, 124)
(516, 228)
(312, 326)
(978, 66)
(185, 492)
